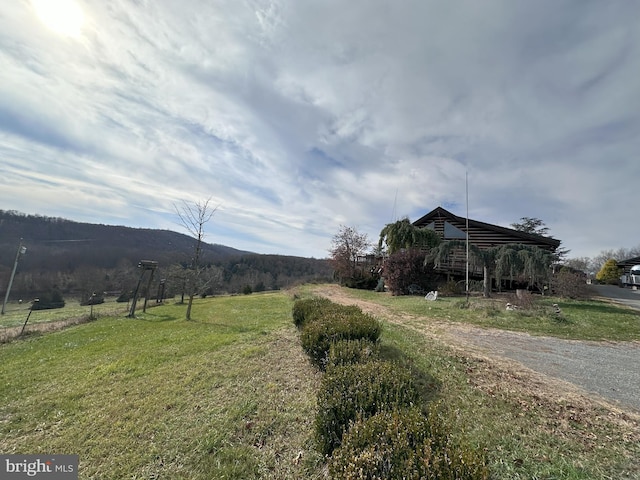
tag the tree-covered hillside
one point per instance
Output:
(76, 257)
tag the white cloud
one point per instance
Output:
(299, 117)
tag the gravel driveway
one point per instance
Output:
(611, 370)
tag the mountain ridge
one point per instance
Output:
(53, 234)
(60, 253)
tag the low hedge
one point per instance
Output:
(317, 308)
(306, 309)
(347, 352)
(359, 391)
(404, 444)
(367, 417)
(334, 325)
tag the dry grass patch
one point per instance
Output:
(597, 429)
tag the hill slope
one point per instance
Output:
(58, 247)
(57, 243)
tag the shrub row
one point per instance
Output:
(347, 352)
(323, 323)
(368, 418)
(405, 444)
(306, 309)
(349, 392)
(309, 309)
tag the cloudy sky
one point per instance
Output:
(298, 116)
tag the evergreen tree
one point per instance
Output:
(609, 273)
(534, 226)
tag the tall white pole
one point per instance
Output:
(466, 181)
(21, 250)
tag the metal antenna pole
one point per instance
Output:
(21, 250)
(466, 181)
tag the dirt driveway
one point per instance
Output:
(600, 370)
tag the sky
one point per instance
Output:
(295, 117)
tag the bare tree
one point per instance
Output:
(583, 264)
(620, 255)
(346, 247)
(194, 217)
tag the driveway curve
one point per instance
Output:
(624, 296)
(610, 370)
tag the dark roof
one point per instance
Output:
(629, 262)
(440, 212)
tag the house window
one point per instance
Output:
(453, 232)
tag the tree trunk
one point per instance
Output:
(189, 306)
(486, 282)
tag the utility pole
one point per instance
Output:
(21, 251)
(466, 282)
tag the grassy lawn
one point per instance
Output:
(527, 433)
(579, 320)
(228, 395)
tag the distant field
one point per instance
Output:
(16, 314)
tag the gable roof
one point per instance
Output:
(440, 213)
(629, 262)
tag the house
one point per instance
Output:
(482, 235)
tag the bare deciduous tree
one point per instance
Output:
(194, 217)
(346, 246)
(620, 255)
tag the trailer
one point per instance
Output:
(632, 279)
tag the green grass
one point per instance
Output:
(231, 395)
(526, 434)
(529, 430)
(227, 395)
(579, 320)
